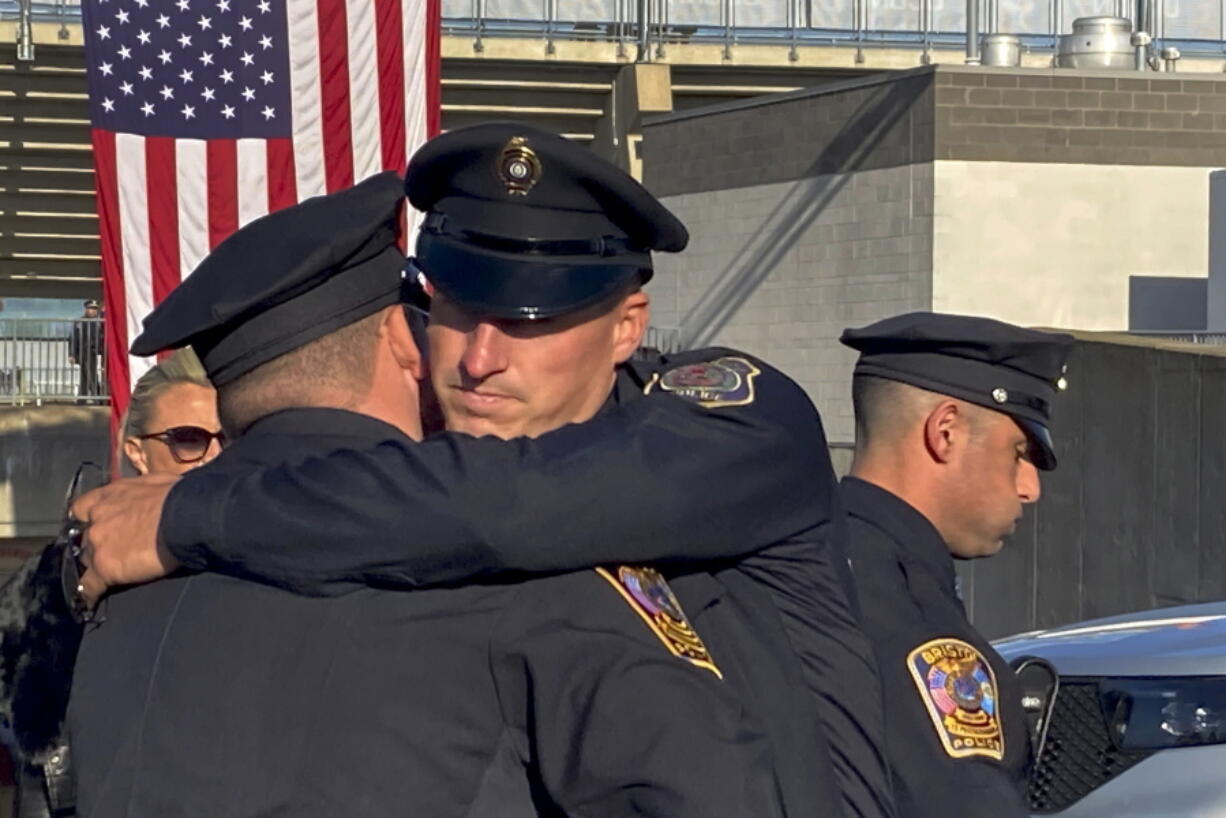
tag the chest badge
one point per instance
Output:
(722, 382)
(648, 594)
(958, 688)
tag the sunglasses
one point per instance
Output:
(187, 444)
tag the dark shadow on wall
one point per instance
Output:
(877, 132)
(1135, 515)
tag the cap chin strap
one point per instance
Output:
(603, 247)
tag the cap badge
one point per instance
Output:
(519, 168)
(647, 592)
(958, 688)
(1000, 395)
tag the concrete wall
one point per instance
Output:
(1057, 244)
(40, 449)
(807, 258)
(807, 214)
(1043, 197)
(1135, 516)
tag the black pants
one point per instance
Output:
(90, 386)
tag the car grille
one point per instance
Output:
(1078, 756)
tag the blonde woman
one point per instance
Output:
(171, 425)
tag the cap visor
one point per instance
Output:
(1043, 452)
(507, 286)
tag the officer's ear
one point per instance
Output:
(633, 313)
(408, 355)
(943, 430)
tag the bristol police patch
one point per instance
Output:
(651, 598)
(959, 690)
(722, 382)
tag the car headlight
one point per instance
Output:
(1177, 711)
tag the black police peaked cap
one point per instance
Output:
(1011, 369)
(523, 223)
(286, 279)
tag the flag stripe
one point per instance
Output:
(163, 224)
(222, 189)
(134, 232)
(363, 74)
(282, 189)
(112, 274)
(432, 53)
(190, 159)
(389, 30)
(308, 150)
(334, 95)
(253, 179)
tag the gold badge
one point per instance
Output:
(651, 598)
(957, 685)
(518, 167)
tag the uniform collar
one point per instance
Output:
(914, 533)
(319, 422)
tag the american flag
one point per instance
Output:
(207, 114)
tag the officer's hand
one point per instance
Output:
(120, 542)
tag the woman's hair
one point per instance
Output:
(181, 367)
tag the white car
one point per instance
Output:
(1137, 723)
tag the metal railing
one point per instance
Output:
(660, 340)
(1205, 337)
(1198, 26)
(50, 361)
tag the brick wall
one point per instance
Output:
(1120, 118)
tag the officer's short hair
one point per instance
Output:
(883, 408)
(340, 362)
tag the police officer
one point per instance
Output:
(534, 251)
(586, 694)
(85, 346)
(952, 418)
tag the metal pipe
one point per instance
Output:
(993, 16)
(793, 20)
(619, 24)
(479, 14)
(859, 24)
(644, 52)
(661, 18)
(550, 13)
(25, 32)
(726, 11)
(972, 32)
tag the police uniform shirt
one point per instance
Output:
(660, 477)
(955, 731)
(207, 695)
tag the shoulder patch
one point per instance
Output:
(646, 591)
(958, 687)
(727, 381)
